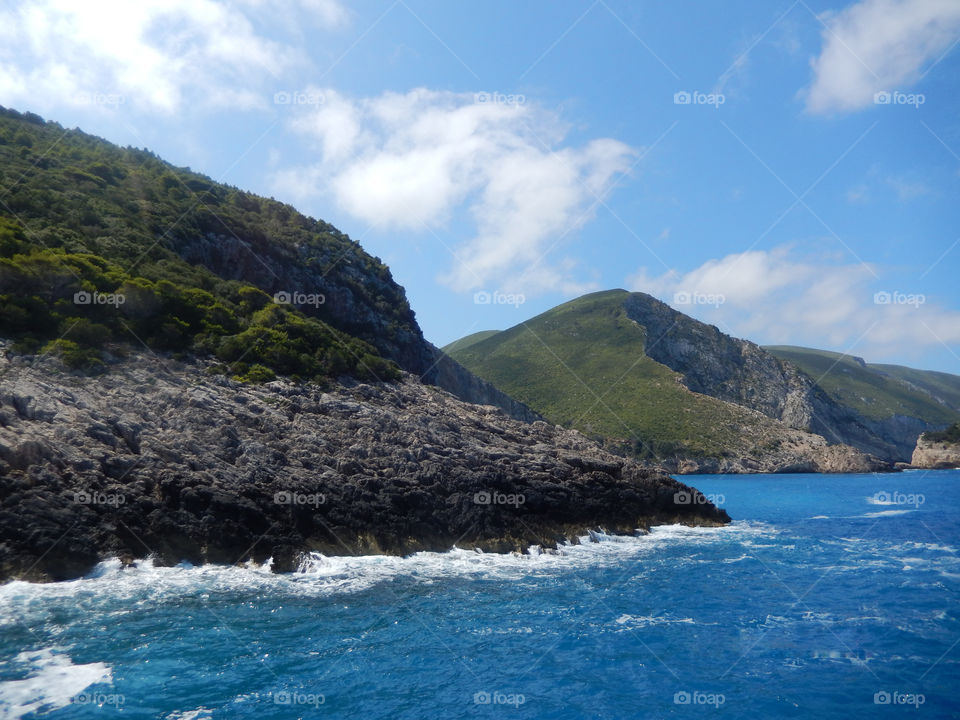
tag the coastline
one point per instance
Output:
(161, 458)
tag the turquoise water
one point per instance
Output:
(829, 597)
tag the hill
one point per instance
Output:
(103, 247)
(590, 364)
(896, 402)
(627, 367)
(465, 342)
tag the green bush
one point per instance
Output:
(951, 435)
(75, 356)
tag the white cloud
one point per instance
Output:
(413, 160)
(878, 45)
(907, 189)
(158, 55)
(776, 297)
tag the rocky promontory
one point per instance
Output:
(938, 450)
(162, 458)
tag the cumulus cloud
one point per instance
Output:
(777, 297)
(157, 54)
(878, 45)
(413, 160)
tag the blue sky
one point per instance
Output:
(526, 153)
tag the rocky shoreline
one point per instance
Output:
(160, 458)
(935, 455)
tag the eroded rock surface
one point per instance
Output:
(160, 458)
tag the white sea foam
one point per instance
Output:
(143, 583)
(197, 714)
(632, 621)
(52, 682)
(887, 513)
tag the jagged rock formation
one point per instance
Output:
(158, 457)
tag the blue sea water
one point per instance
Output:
(828, 597)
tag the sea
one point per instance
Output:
(829, 596)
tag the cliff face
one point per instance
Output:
(453, 377)
(743, 373)
(936, 455)
(354, 298)
(158, 457)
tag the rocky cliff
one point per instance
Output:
(161, 458)
(938, 450)
(743, 373)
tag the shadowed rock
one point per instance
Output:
(158, 458)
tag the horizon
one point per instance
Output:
(778, 172)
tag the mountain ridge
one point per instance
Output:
(696, 356)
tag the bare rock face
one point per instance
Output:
(936, 455)
(160, 458)
(791, 451)
(743, 373)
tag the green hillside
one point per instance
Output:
(879, 391)
(92, 245)
(941, 385)
(582, 365)
(465, 342)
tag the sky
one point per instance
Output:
(787, 171)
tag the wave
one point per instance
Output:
(318, 575)
(634, 621)
(53, 681)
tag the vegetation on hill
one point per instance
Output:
(582, 365)
(950, 435)
(89, 263)
(465, 342)
(879, 391)
(941, 385)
